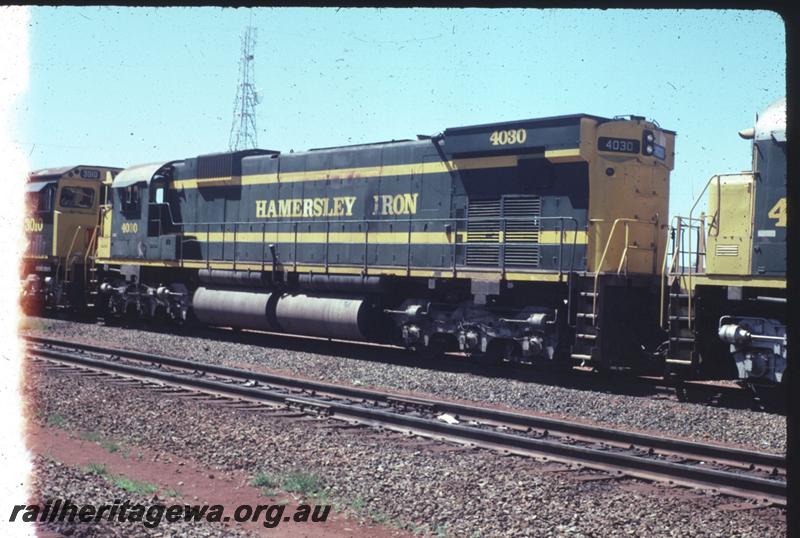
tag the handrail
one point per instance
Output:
(69, 253)
(694, 205)
(454, 229)
(204, 229)
(89, 247)
(678, 226)
(627, 221)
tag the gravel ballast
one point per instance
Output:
(752, 429)
(431, 488)
(56, 481)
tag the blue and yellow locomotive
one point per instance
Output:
(539, 239)
(726, 284)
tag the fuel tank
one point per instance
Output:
(350, 318)
(232, 308)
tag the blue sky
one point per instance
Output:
(121, 86)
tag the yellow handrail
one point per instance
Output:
(664, 273)
(676, 269)
(627, 221)
(691, 211)
(69, 252)
(89, 247)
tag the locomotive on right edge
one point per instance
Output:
(725, 287)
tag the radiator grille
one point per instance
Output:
(484, 231)
(483, 236)
(524, 231)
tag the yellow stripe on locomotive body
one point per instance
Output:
(377, 238)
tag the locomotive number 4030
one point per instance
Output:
(511, 136)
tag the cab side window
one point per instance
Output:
(42, 201)
(77, 197)
(130, 198)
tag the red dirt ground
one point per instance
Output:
(199, 484)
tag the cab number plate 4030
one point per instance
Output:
(618, 145)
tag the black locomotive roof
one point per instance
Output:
(551, 121)
(354, 146)
(569, 119)
(535, 134)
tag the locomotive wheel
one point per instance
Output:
(681, 392)
(433, 351)
(495, 354)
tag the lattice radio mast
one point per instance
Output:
(243, 130)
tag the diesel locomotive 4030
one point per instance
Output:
(542, 239)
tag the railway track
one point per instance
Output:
(715, 394)
(756, 476)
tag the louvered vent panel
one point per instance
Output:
(210, 166)
(522, 226)
(483, 232)
(727, 250)
(484, 227)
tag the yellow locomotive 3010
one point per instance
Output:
(62, 208)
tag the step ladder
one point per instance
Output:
(681, 354)
(587, 335)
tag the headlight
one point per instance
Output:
(647, 142)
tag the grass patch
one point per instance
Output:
(378, 517)
(133, 486)
(98, 469)
(174, 493)
(322, 497)
(296, 481)
(108, 444)
(302, 482)
(111, 446)
(358, 505)
(416, 529)
(57, 420)
(94, 437)
(264, 480)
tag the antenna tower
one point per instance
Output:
(243, 130)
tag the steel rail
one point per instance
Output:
(735, 483)
(701, 390)
(552, 425)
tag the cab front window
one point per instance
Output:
(77, 197)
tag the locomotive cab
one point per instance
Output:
(62, 207)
